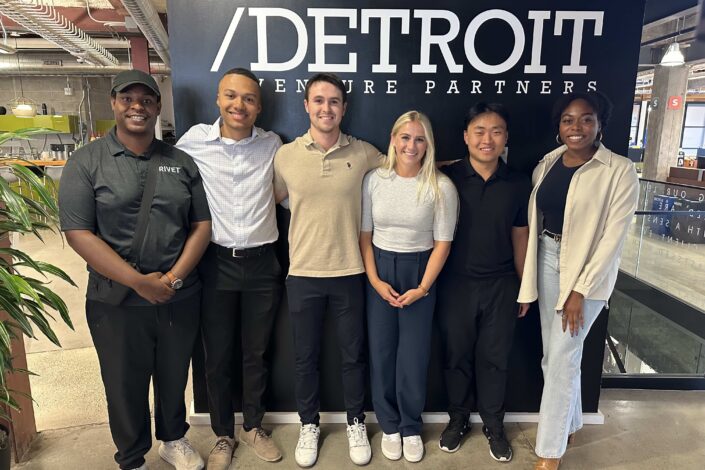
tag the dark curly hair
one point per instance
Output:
(597, 101)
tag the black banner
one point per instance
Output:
(437, 57)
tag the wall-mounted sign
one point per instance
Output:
(438, 57)
(675, 102)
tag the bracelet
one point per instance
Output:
(423, 289)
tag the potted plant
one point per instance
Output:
(29, 302)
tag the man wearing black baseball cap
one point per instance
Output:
(126, 79)
(150, 333)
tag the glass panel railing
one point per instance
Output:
(665, 246)
(656, 323)
(643, 341)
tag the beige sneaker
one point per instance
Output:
(222, 454)
(262, 443)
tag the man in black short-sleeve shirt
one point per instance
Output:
(478, 287)
(151, 334)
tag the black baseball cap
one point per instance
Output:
(134, 77)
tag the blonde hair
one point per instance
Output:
(428, 176)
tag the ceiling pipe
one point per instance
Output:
(87, 71)
(45, 21)
(147, 19)
(35, 64)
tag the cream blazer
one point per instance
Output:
(600, 205)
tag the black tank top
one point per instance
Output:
(552, 194)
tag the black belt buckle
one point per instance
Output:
(556, 236)
(249, 252)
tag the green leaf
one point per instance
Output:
(43, 325)
(16, 313)
(51, 269)
(17, 209)
(7, 281)
(36, 185)
(25, 133)
(20, 255)
(5, 336)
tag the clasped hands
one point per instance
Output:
(394, 299)
(154, 287)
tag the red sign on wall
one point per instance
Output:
(675, 102)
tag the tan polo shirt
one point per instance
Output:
(325, 197)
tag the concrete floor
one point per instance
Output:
(642, 430)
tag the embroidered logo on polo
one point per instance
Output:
(169, 169)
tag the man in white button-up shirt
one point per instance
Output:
(240, 272)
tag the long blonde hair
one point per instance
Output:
(427, 177)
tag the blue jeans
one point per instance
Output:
(561, 408)
(400, 343)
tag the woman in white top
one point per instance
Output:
(409, 211)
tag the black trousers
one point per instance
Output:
(476, 318)
(240, 297)
(134, 345)
(310, 299)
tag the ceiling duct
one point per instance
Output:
(147, 19)
(42, 64)
(45, 21)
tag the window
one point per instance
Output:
(636, 111)
(693, 128)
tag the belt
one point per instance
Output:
(556, 236)
(244, 252)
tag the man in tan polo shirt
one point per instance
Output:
(322, 172)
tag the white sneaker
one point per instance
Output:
(391, 446)
(307, 448)
(413, 448)
(360, 450)
(181, 454)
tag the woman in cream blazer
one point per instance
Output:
(581, 206)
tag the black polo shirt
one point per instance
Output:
(482, 246)
(101, 191)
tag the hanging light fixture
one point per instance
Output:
(21, 106)
(673, 56)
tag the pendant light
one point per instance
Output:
(673, 56)
(21, 106)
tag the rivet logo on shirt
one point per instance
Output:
(169, 169)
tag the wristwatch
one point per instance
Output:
(176, 283)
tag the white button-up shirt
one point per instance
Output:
(237, 176)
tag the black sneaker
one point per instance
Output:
(500, 450)
(452, 435)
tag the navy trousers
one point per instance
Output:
(310, 300)
(400, 343)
